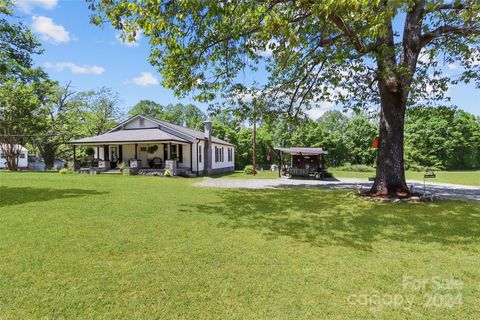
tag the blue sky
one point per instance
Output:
(91, 57)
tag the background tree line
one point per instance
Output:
(43, 115)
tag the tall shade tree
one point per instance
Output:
(59, 122)
(17, 45)
(98, 110)
(19, 118)
(357, 53)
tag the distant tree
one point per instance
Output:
(359, 134)
(19, 118)
(180, 114)
(147, 108)
(21, 86)
(97, 110)
(59, 123)
(443, 138)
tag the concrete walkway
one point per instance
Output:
(446, 190)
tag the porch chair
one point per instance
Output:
(157, 163)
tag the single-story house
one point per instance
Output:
(22, 157)
(145, 143)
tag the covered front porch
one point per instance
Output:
(143, 157)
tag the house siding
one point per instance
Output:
(221, 161)
(22, 161)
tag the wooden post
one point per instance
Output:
(136, 147)
(74, 156)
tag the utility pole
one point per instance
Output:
(254, 160)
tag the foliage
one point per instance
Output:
(89, 151)
(152, 149)
(63, 171)
(248, 169)
(19, 116)
(346, 52)
(98, 110)
(184, 115)
(167, 173)
(17, 45)
(355, 168)
(443, 137)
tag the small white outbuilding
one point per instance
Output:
(22, 157)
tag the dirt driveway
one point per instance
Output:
(451, 191)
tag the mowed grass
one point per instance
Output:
(455, 177)
(265, 174)
(116, 247)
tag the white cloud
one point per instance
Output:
(319, 109)
(130, 44)
(76, 69)
(27, 5)
(452, 66)
(49, 31)
(145, 79)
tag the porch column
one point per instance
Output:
(136, 147)
(120, 153)
(191, 157)
(105, 153)
(74, 156)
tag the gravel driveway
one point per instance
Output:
(452, 191)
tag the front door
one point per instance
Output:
(113, 156)
(143, 156)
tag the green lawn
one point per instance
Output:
(456, 177)
(242, 175)
(117, 247)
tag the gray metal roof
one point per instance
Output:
(298, 150)
(131, 135)
(191, 132)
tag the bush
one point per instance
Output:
(63, 171)
(248, 169)
(89, 151)
(167, 173)
(355, 167)
(152, 149)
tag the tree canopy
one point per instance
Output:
(355, 53)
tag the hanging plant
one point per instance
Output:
(152, 149)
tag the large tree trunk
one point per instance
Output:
(48, 151)
(390, 180)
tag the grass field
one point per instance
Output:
(456, 177)
(117, 247)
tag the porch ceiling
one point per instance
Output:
(132, 136)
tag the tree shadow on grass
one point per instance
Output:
(335, 217)
(10, 196)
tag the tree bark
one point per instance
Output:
(48, 151)
(390, 179)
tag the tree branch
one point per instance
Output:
(446, 30)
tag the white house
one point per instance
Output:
(143, 142)
(22, 157)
